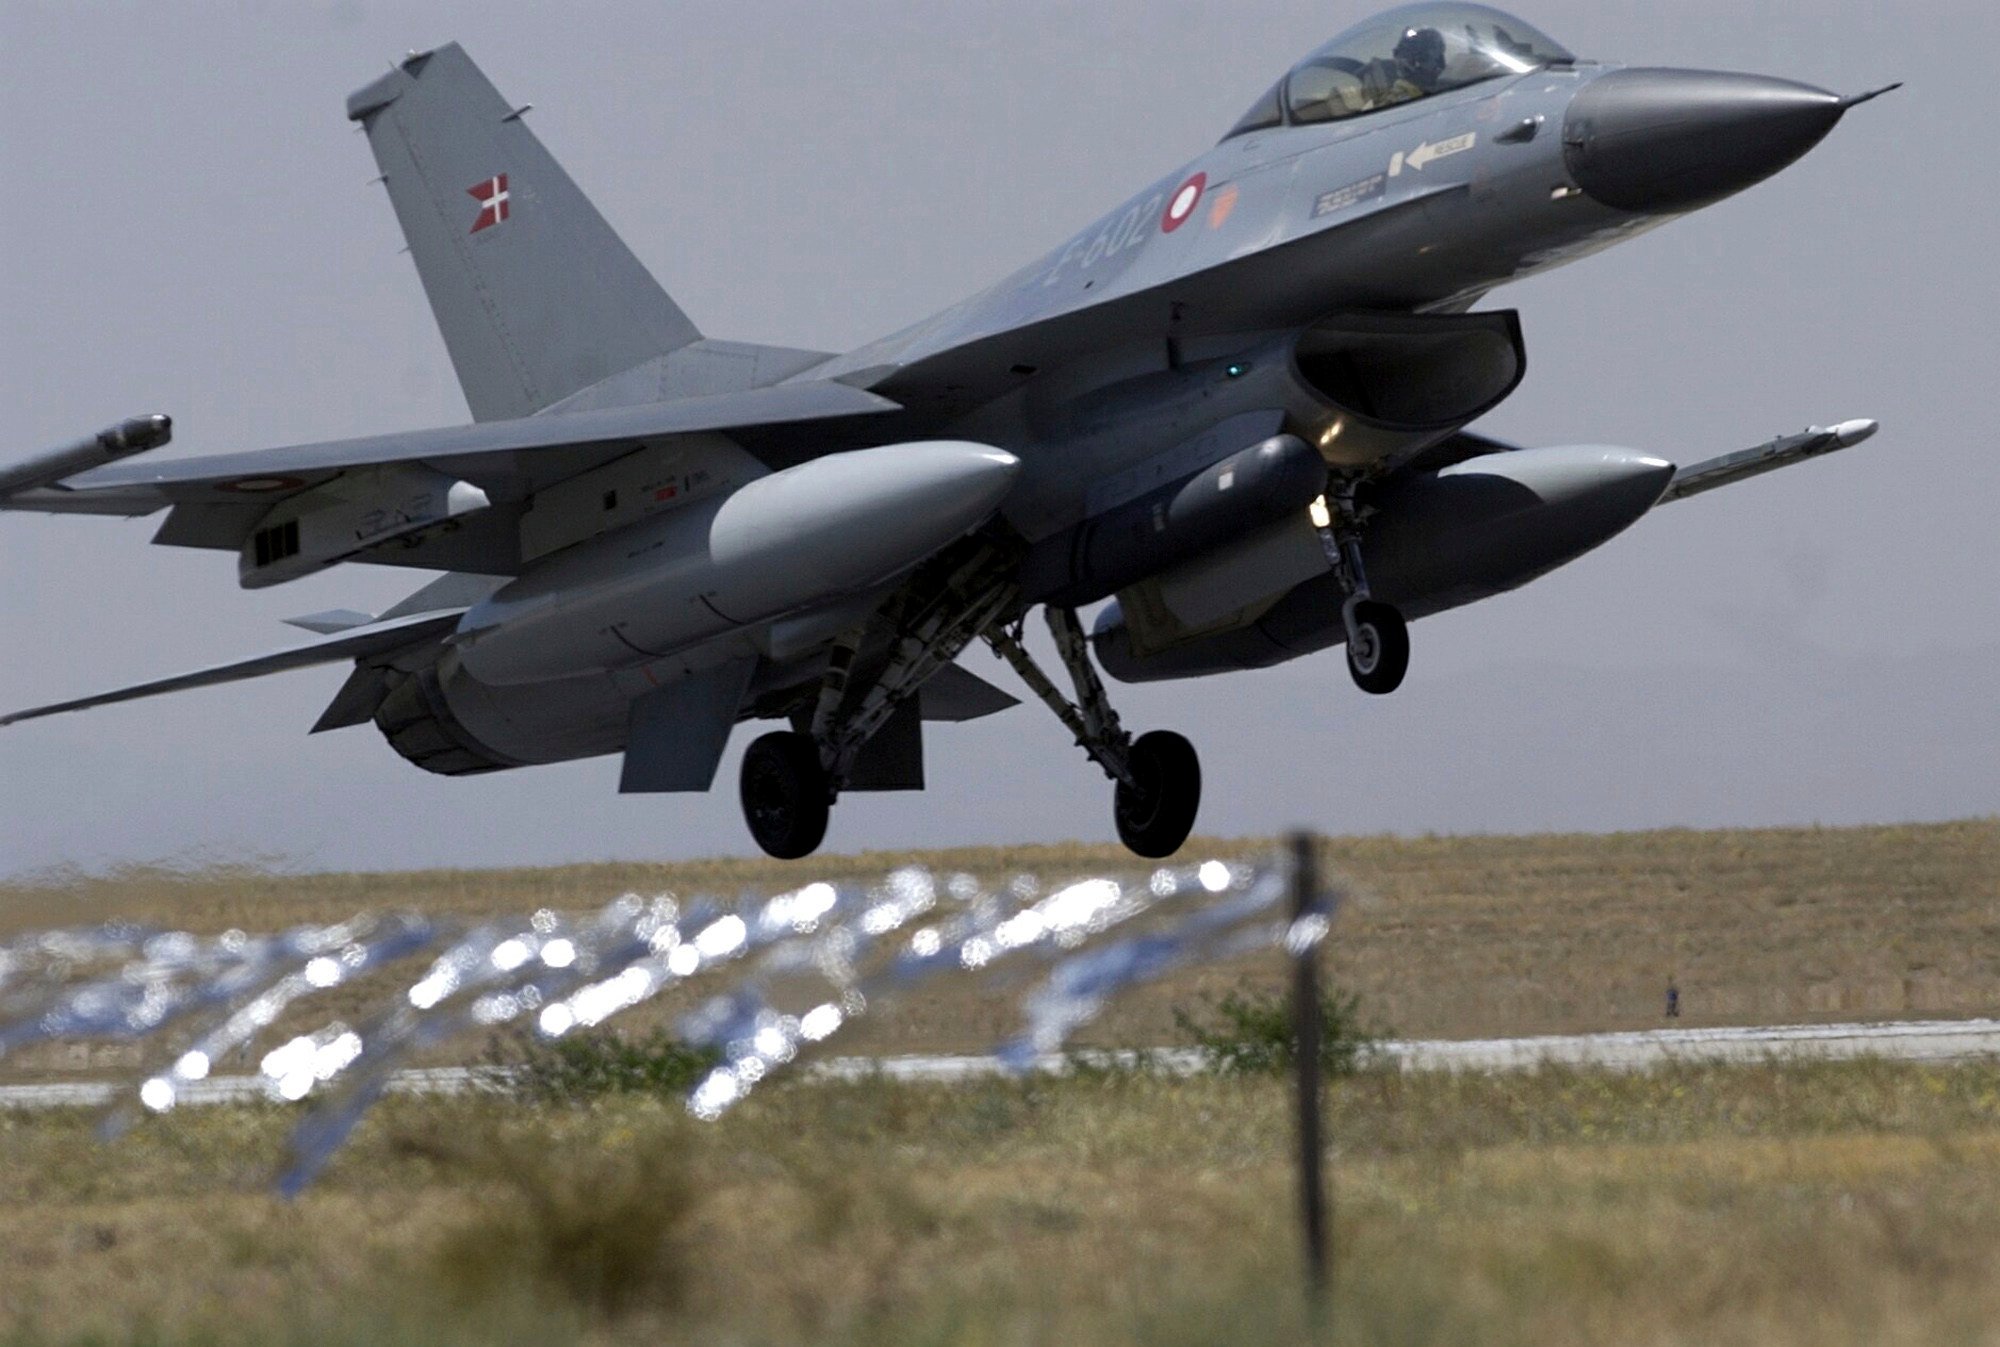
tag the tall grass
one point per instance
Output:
(1827, 1204)
(600, 1229)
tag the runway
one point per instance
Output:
(1935, 1041)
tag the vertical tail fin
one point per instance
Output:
(535, 295)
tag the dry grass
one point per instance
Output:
(1443, 936)
(1823, 1205)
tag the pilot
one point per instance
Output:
(1420, 62)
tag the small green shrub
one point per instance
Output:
(585, 1066)
(601, 1227)
(1247, 1033)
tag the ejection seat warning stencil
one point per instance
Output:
(1343, 198)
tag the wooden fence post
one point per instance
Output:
(1306, 1029)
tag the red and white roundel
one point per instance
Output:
(1181, 207)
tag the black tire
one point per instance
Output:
(1155, 818)
(786, 800)
(1378, 655)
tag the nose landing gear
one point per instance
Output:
(1157, 776)
(1378, 639)
(1378, 646)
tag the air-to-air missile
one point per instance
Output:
(134, 436)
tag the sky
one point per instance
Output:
(189, 227)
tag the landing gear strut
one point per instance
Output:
(1158, 776)
(1378, 639)
(792, 778)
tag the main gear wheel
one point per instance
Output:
(786, 796)
(1157, 808)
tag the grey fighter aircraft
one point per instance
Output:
(1236, 406)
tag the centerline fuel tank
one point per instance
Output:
(815, 533)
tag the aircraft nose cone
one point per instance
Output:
(1659, 142)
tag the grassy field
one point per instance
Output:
(1440, 937)
(1812, 1205)
(1779, 1204)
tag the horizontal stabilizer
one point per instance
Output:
(1779, 453)
(357, 701)
(378, 639)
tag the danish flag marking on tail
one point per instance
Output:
(492, 196)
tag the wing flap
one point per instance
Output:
(379, 639)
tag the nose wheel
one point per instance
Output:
(1157, 776)
(787, 798)
(1378, 647)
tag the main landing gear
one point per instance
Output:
(787, 796)
(792, 778)
(1378, 639)
(1157, 776)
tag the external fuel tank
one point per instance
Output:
(809, 535)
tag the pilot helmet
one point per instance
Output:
(1421, 55)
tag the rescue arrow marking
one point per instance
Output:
(1428, 153)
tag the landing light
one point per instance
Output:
(1322, 517)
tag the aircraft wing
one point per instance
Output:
(380, 638)
(506, 459)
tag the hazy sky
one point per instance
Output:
(188, 227)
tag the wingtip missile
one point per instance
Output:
(135, 435)
(138, 434)
(1779, 453)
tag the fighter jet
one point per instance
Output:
(1235, 407)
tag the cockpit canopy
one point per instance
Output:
(1401, 56)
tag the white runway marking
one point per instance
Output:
(1915, 1041)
